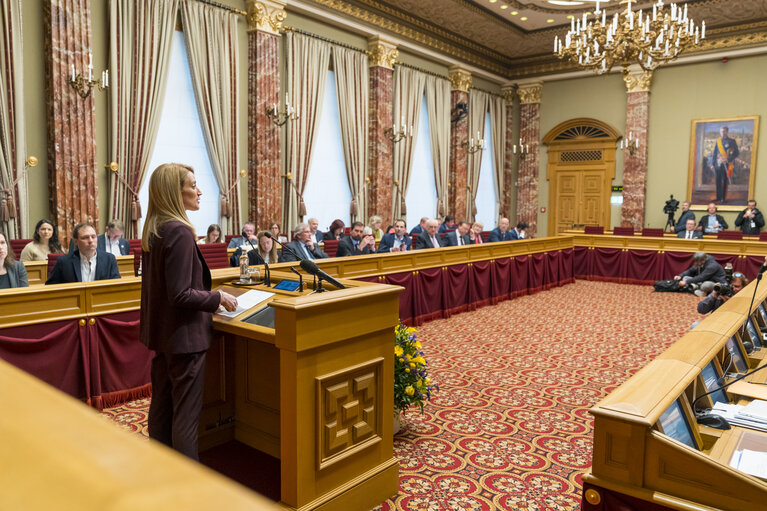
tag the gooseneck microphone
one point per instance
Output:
(311, 268)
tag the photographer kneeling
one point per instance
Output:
(722, 293)
(701, 277)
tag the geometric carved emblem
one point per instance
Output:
(349, 411)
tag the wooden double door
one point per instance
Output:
(580, 197)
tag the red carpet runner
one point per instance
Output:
(510, 428)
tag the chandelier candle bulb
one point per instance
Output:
(703, 30)
(73, 72)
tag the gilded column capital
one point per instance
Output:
(460, 78)
(382, 53)
(637, 80)
(266, 16)
(530, 93)
(508, 92)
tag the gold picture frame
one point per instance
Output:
(731, 183)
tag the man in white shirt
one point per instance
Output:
(85, 263)
(314, 230)
(112, 240)
(398, 241)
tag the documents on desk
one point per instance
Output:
(753, 415)
(750, 462)
(245, 301)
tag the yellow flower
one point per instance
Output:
(407, 369)
(417, 344)
(411, 330)
(419, 382)
(412, 365)
(419, 360)
(409, 390)
(407, 357)
(427, 381)
(398, 351)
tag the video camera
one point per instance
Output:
(725, 289)
(671, 206)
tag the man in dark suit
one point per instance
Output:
(303, 245)
(112, 241)
(86, 263)
(704, 273)
(448, 224)
(713, 222)
(249, 229)
(501, 233)
(686, 214)
(690, 233)
(356, 244)
(722, 159)
(421, 227)
(458, 237)
(750, 220)
(317, 235)
(398, 241)
(429, 238)
(519, 232)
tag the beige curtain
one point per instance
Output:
(308, 61)
(213, 51)
(352, 86)
(498, 135)
(438, 108)
(478, 104)
(408, 94)
(141, 35)
(14, 208)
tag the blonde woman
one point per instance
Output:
(176, 307)
(374, 226)
(213, 235)
(475, 233)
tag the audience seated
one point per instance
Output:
(86, 263)
(274, 228)
(421, 227)
(399, 241)
(336, 230)
(501, 233)
(302, 245)
(317, 235)
(681, 224)
(44, 242)
(12, 272)
(690, 232)
(429, 238)
(213, 235)
(448, 224)
(374, 227)
(249, 229)
(356, 243)
(702, 275)
(713, 222)
(475, 233)
(112, 240)
(458, 237)
(265, 252)
(750, 220)
(519, 232)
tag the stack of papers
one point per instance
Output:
(753, 415)
(750, 462)
(245, 301)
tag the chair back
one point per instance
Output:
(623, 231)
(18, 246)
(215, 255)
(52, 261)
(331, 247)
(729, 235)
(485, 235)
(652, 231)
(135, 249)
(763, 236)
(593, 229)
(229, 237)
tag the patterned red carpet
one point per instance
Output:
(510, 428)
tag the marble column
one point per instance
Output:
(460, 81)
(635, 165)
(380, 177)
(265, 19)
(508, 92)
(527, 176)
(72, 167)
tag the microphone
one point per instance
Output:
(300, 279)
(284, 247)
(311, 268)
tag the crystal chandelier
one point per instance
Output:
(647, 39)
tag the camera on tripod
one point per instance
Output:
(725, 289)
(669, 209)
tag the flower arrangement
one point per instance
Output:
(411, 384)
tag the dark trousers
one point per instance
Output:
(174, 413)
(721, 182)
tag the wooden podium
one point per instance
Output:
(315, 390)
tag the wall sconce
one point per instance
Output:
(283, 115)
(398, 134)
(475, 145)
(522, 149)
(632, 144)
(84, 86)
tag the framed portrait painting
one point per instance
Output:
(722, 162)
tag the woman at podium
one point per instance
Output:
(176, 307)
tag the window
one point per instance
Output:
(421, 195)
(487, 206)
(327, 195)
(180, 139)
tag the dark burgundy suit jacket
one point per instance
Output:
(176, 301)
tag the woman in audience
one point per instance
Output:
(45, 241)
(213, 236)
(267, 249)
(176, 307)
(475, 233)
(274, 228)
(336, 230)
(12, 272)
(374, 227)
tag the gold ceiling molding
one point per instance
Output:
(382, 53)
(637, 80)
(530, 93)
(460, 79)
(266, 16)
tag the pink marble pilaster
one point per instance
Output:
(380, 162)
(527, 176)
(635, 166)
(72, 168)
(508, 95)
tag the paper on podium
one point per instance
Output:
(746, 389)
(750, 462)
(245, 301)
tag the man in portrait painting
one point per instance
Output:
(722, 157)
